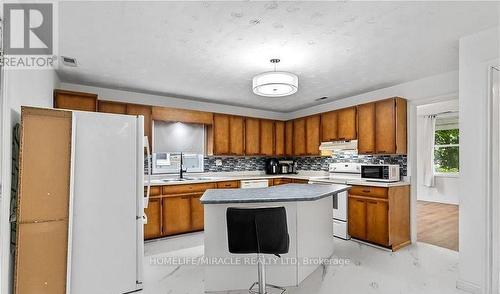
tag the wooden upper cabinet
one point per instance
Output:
(329, 126)
(289, 138)
(266, 137)
(111, 107)
(236, 135)
(144, 110)
(366, 128)
(313, 134)
(75, 100)
(228, 134)
(390, 126)
(221, 134)
(299, 136)
(252, 136)
(346, 124)
(279, 138)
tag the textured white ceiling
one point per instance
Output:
(210, 51)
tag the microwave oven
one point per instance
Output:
(380, 172)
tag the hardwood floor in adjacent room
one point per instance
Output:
(438, 224)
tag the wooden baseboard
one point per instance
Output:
(399, 246)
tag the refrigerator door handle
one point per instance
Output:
(148, 187)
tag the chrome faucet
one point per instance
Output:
(181, 168)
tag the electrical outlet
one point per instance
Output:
(218, 162)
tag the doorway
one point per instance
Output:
(438, 148)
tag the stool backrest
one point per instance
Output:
(257, 230)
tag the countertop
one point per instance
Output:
(319, 177)
(281, 193)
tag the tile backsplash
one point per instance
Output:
(316, 163)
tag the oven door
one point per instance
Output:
(372, 172)
(340, 206)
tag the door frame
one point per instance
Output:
(412, 152)
(492, 261)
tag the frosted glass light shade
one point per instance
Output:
(275, 84)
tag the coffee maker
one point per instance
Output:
(287, 167)
(272, 166)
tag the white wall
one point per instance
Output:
(20, 87)
(446, 189)
(476, 53)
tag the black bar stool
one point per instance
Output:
(261, 231)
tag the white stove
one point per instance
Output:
(340, 173)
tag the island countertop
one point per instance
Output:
(281, 193)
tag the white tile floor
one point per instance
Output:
(419, 268)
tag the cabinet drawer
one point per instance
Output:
(228, 185)
(378, 192)
(187, 188)
(155, 191)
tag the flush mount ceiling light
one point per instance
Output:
(275, 83)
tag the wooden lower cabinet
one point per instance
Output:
(197, 213)
(357, 218)
(153, 228)
(300, 181)
(380, 216)
(377, 222)
(281, 181)
(176, 211)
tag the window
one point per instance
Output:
(446, 144)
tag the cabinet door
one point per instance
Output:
(236, 135)
(252, 136)
(289, 138)
(281, 181)
(385, 127)
(366, 128)
(357, 218)
(377, 222)
(112, 107)
(279, 138)
(153, 228)
(299, 136)
(197, 215)
(347, 123)
(75, 100)
(221, 134)
(266, 137)
(329, 126)
(176, 211)
(312, 134)
(144, 110)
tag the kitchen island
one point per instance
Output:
(310, 227)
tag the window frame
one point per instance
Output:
(436, 146)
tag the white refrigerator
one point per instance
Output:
(105, 241)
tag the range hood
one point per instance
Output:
(339, 145)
